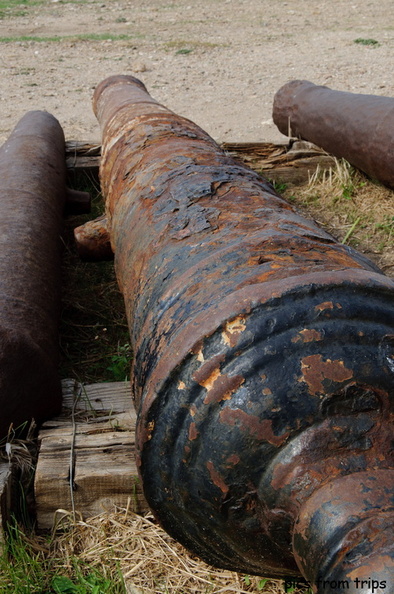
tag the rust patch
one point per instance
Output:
(315, 371)
(234, 459)
(149, 430)
(325, 305)
(216, 478)
(181, 385)
(198, 348)
(193, 433)
(267, 392)
(209, 372)
(233, 330)
(307, 335)
(193, 410)
(260, 429)
(223, 387)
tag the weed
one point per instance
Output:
(279, 187)
(93, 583)
(368, 42)
(350, 232)
(12, 8)
(58, 38)
(120, 363)
(387, 226)
(184, 51)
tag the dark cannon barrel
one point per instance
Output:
(358, 128)
(263, 369)
(32, 199)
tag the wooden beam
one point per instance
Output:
(86, 458)
(291, 163)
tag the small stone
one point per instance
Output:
(139, 66)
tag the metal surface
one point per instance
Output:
(93, 241)
(264, 351)
(358, 128)
(32, 197)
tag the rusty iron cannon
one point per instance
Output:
(358, 128)
(33, 197)
(263, 370)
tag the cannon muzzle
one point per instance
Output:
(358, 128)
(263, 370)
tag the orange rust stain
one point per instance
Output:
(223, 388)
(193, 433)
(315, 371)
(200, 356)
(233, 330)
(233, 459)
(149, 430)
(210, 381)
(260, 429)
(209, 372)
(197, 350)
(324, 305)
(181, 385)
(193, 410)
(216, 478)
(267, 392)
(307, 335)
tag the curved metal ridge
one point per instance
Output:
(260, 398)
(263, 366)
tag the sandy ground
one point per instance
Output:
(217, 62)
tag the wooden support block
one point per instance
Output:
(293, 163)
(86, 457)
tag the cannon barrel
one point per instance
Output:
(263, 369)
(32, 200)
(358, 128)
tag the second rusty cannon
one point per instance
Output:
(356, 127)
(263, 372)
(33, 198)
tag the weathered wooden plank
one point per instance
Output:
(86, 459)
(292, 163)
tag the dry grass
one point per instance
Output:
(356, 210)
(150, 561)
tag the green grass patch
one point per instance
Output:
(28, 565)
(369, 42)
(11, 8)
(60, 38)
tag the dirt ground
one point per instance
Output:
(217, 62)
